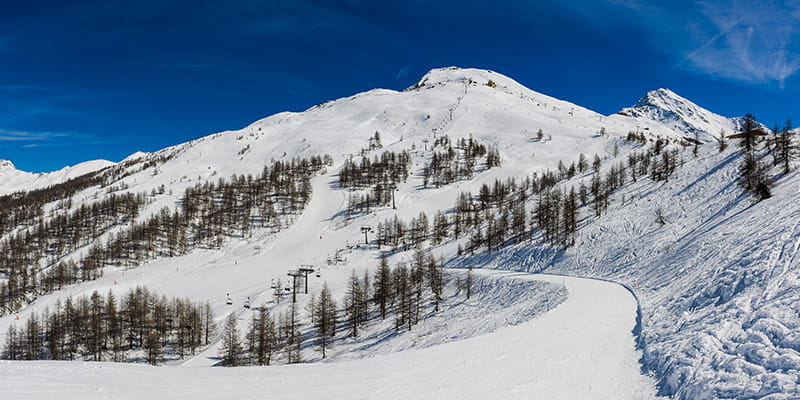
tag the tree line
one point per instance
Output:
(756, 145)
(514, 210)
(449, 164)
(401, 293)
(208, 214)
(102, 328)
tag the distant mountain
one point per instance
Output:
(13, 180)
(682, 115)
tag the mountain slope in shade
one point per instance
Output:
(682, 116)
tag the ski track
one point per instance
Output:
(582, 349)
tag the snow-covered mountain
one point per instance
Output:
(460, 102)
(682, 116)
(717, 292)
(12, 179)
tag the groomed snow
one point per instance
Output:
(582, 349)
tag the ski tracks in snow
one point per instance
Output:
(581, 349)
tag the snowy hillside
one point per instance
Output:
(718, 281)
(681, 115)
(717, 293)
(563, 355)
(12, 179)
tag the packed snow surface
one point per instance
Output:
(582, 349)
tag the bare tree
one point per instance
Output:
(231, 348)
(325, 311)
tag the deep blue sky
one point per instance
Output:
(93, 79)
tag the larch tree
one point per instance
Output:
(325, 310)
(231, 348)
(383, 286)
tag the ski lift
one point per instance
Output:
(229, 301)
(247, 303)
(273, 285)
(288, 289)
(318, 274)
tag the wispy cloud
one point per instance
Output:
(754, 42)
(747, 41)
(23, 136)
(403, 72)
(32, 139)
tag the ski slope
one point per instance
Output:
(557, 355)
(582, 349)
(718, 281)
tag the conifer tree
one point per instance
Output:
(231, 347)
(383, 286)
(325, 310)
(262, 337)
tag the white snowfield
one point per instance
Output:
(12, 179)
(582, 349)
(718, 281)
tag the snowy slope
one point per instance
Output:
(702, 204)
(682, 115)
(580, 350)
(452, 101)
(718, 284)
(12, 179)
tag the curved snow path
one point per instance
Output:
(583, 349)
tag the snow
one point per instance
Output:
(681, 115)
(12, 179)
(717, 285)
(581, 349)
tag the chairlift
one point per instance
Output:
(229, 301)
(247, 303)
(318, 274)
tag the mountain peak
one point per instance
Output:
(459, 75)
(6, 164)
(680, 114)
(664, 98)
